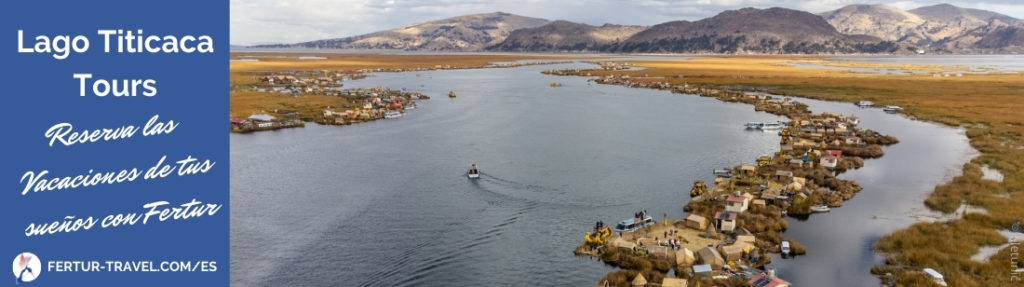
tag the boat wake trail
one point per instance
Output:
(509, 189)
(517, 185)
(427, 267)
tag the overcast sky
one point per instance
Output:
(291, 21)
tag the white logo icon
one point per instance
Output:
(27, 267)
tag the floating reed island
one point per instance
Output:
(271, 91)
(733, 225)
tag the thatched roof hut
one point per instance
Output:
(684, 257)
(731, 252)
(696, 222)
(639, 280)
(673, 282)
(658, 252)
(622, 244)
(711, 257)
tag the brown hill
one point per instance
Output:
(463, 33)
(566, 36)
(774, 30)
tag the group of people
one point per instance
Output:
(639, 216)
(598, 225)
(673, 243)
(473, 170)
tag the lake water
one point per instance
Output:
(387, 203)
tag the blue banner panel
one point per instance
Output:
(116, 145)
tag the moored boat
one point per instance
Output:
(630, 225)
(393, 115)
(892, 109)
(865, 104)
(773, 126)
(820, 208)
(722, 172)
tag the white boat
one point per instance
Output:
(393, 115)
(785, 248)
(820, 208)
(410, 107)
(773, 126)
(935, 276)
(865, 104)
(630, 225)
(892, 109)
(765, 126)
(722, 172)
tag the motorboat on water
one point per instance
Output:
(785, 249)
(630, 225)
(865, 104)
(451, 94)
(410, 107)
(473, 172)
(393, 115)
(820, 208)
(753, 125)
(892, 109)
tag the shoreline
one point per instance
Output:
(994, 130)
(767, 220)
(288, 90)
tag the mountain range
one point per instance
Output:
(858, 28)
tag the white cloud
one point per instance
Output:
(277, 21)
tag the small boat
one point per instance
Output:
(556, 84)
(785, 248)
(753, 125)
(865, 104)
(935, 276)
(473, 172)
(820, 208)
(451, 94)
(630, 225)
(892, 109)
(773, 126)
(393, 115)
(410, 107)
(722, 172)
